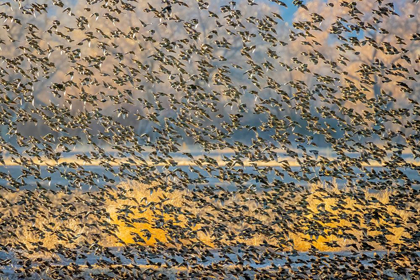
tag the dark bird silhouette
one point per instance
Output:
(209, 139)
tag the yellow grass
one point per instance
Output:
(35, 220)
(139, 216)
(301, 237)
(352, 209)
(326, 218)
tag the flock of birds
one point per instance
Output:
(120, 85)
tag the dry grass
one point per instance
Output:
(39, 222)
(328, 218)
(349, 214)
(148, 216)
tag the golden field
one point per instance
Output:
(325, 217)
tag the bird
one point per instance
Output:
(198, 139)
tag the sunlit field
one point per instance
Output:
(79, 227)
(325, 217)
